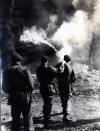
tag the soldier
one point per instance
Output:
(20, 85)
(65, 77)
(45, 75)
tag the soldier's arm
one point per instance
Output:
(54, 71)
(58, 65)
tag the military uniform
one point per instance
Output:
(45, 75)
(64, 85)
(20, 84)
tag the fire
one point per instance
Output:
(34, 35)
(73, 37)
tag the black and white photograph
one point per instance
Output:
(50, 65)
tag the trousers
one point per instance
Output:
(25, 110)
(47, 99)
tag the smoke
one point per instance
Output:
(95, 46)
(55, 26)
(96, 16)
(37, 36)
(86, 5)
(51, 28)
(38, 44)
(74, 36)
(80, 37)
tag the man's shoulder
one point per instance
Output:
(19, 70)
(59, 64)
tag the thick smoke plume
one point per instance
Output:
(95, 46)
(74, 37)
(56, 28)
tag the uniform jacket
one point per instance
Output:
(64, 77)
(45, 75)
(19, 84)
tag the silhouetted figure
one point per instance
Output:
(20, 86)
(45, 75)
(65, 79)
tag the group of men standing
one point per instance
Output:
(20, 97)
(65, 77)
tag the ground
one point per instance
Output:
(85, 108)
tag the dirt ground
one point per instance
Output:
(85, 108)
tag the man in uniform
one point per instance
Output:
(45, 75)
(20, 85)
(65, 79)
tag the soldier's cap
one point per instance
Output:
(67, 58)
(44, 59)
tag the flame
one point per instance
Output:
(34, 35)
(73, 37)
